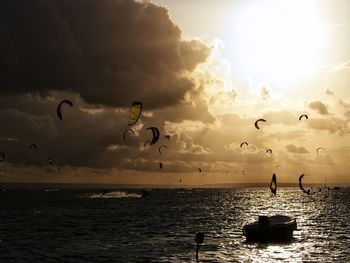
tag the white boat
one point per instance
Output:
(278, 228)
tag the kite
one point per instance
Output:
(243, 144)
(160, 148)
(256, 123)
(32, 146)
(59, 112)
(125, 133)
(155, 133)
(269, 151)
(135, 112)
(319, 148)
(304, 115)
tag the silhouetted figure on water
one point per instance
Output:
(199, 240)
(145, 193)
(273, 184)
(301, 185)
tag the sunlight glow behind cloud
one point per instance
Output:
(278, 41)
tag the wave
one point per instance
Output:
(114, 194)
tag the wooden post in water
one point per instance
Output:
(199, 240)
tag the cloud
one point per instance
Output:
(320, 107)
(333, 125)
(295, 149)
(193, 108)
(108, 52)
(344, 104)
(223, 98)
(324, 160)
(283, 117)
(94, 138)
(347, 114)
(289, 135)
(75, 141)
(336, 67)
(329, 92)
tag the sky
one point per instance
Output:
(204, 71)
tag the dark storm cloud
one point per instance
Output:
(101, 55)
(295, 149)
(195, 108)
(108, 52)
(85, 138)
(79, 140)
(320, 107)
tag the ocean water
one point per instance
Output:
(121, 226)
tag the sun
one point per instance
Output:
(277, 41)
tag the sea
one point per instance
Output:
(122, 225)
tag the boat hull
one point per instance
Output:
(274, 229)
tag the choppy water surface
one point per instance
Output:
(84, 226)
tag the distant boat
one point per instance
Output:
(276, 228)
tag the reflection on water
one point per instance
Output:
(66, 226)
